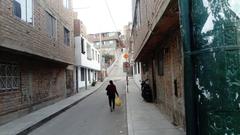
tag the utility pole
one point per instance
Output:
(126, 66)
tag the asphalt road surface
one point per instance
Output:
(91, 116)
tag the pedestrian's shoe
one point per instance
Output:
(111, 109)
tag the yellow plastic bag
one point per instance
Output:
(118, 101)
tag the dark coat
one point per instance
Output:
(111, 90)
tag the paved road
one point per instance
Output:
(91, 116)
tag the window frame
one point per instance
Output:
(82, 46)
(89, 52)
(10, 76)
(66, 40)
(53, 26)
(25, 20)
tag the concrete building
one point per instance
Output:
(158, 54)
(110, 42)
(36, 55)
(87, 59)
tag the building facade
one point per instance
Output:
(107, 42)
(190, 53)
(87, 59)
(36, 54)
(157, 52)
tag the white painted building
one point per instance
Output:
(137, 73)
(87, 61)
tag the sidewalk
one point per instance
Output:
(35, 119)
(145, 118)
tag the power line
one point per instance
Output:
(109, 11)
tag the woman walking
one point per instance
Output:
(111, 92)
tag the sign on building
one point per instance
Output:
(126, 66)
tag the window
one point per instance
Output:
(111, 34)
(66, 3)
(51, 26)
(9, 77)
(23, 9)
(89, 56)
(137, 18)
(66, 37)
(92, 54)
(82, 74)
(82, 46)
(111, 42)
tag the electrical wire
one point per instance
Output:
(110, 13)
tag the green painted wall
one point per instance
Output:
(211, 34)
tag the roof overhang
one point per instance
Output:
(167, 24)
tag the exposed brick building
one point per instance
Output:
(36, 51)
(156, 44)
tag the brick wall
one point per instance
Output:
(18, 35)
(170, 92)
(41, 83)
(169, 98)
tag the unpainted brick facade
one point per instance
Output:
(33, 38)
(41, 61)
(156, 31)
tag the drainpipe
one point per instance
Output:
(188, 72)
(86, 78)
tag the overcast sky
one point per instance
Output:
(95, 15)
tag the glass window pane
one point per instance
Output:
(21, 8)
(17, 10)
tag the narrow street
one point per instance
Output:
(175, 64)
(92, 115)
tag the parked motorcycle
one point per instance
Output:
(146, 91)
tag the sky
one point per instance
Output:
(96, 17)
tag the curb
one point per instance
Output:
(129, 118)
(43, 121)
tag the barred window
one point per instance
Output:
(9, 76)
